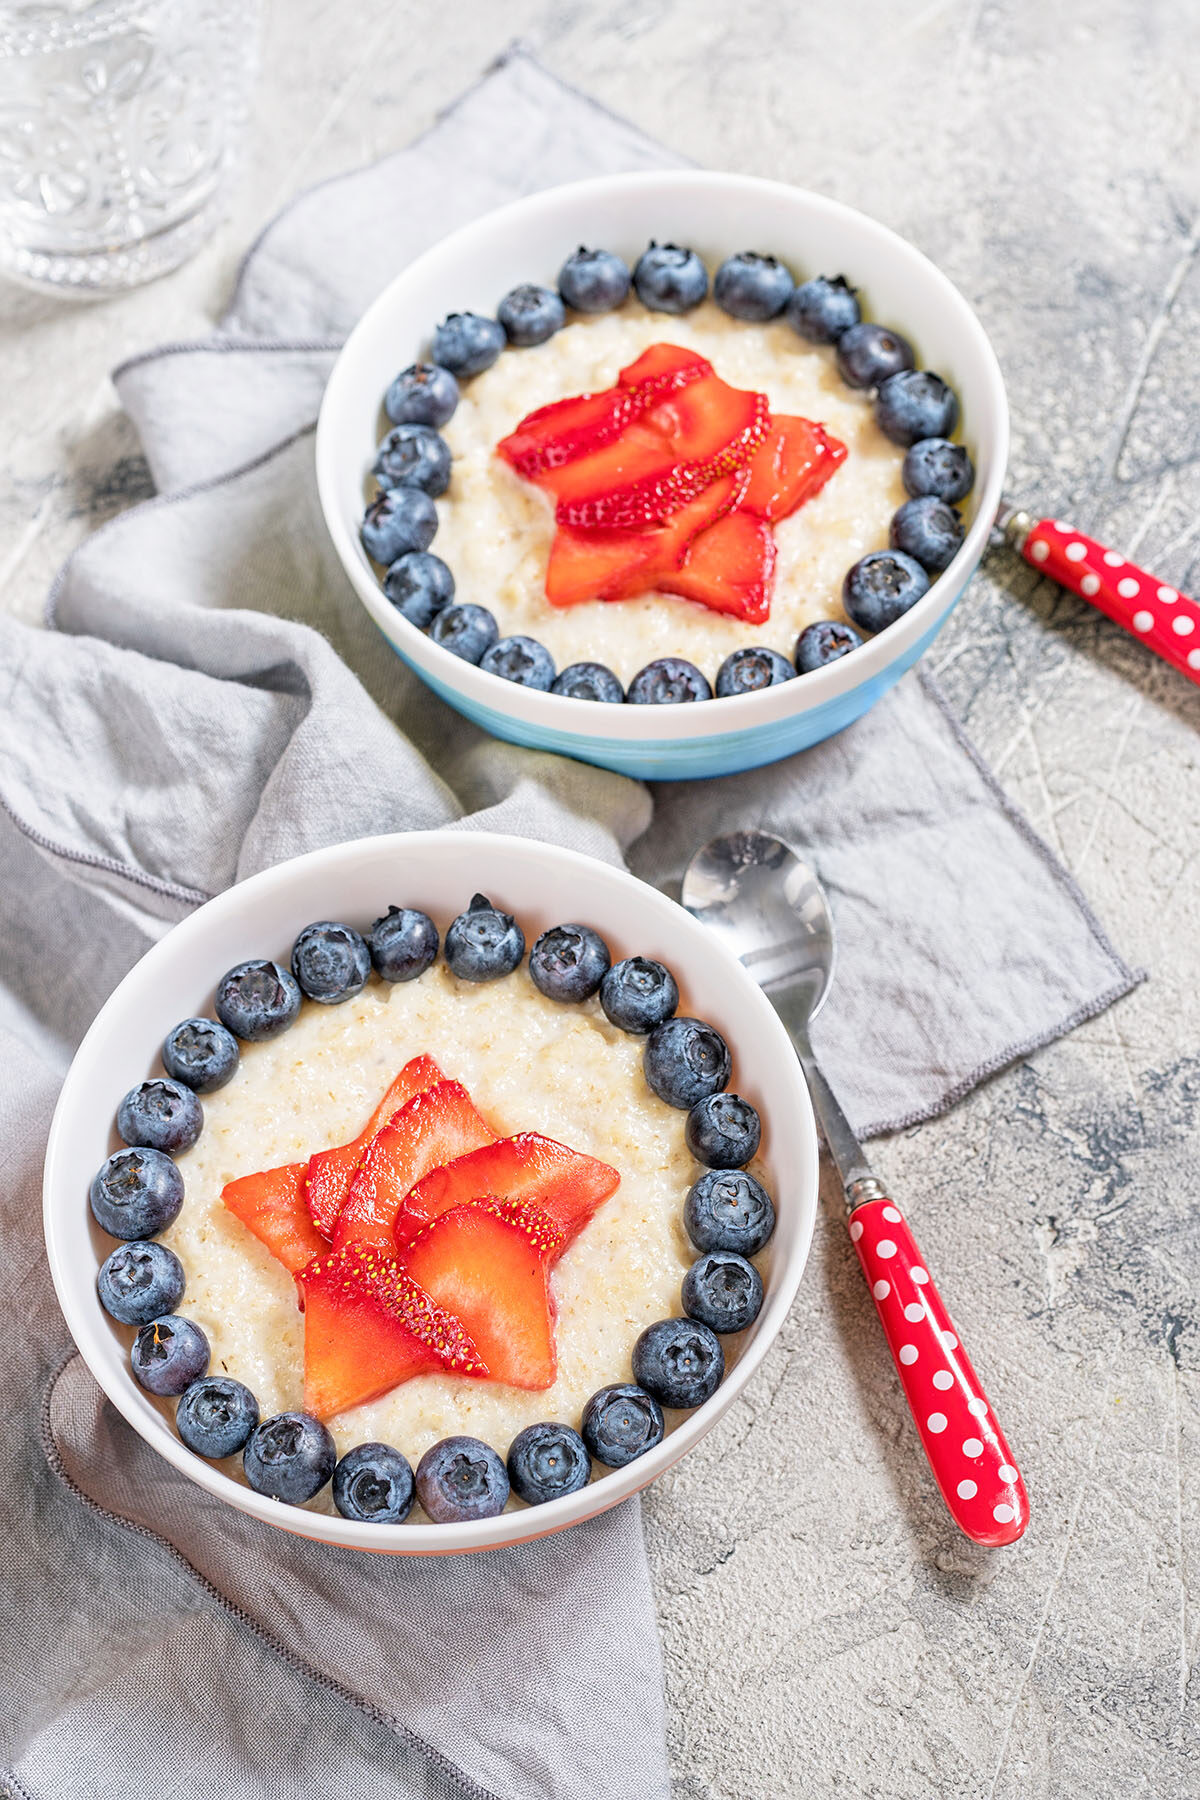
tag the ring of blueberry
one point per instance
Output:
(914, 408)
(138, 1192)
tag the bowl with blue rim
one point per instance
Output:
(717, 216)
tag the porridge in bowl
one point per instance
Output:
(643, 493)
(437, 1212)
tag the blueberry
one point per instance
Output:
(823, 308)
(823, 643)
(413, 456)
(750, 286)
(679, 1362)
(483, 942)
(520, 659)
(723, 1291)
(201, 1054)
(868, 354)
(169, 1354)
(397, 521)
(881, 587)
(620, 1423)
(937, 467)
(746, 670)
(685, 1061)
(461, 1478)
(638, 994)
(589, 681)
(593, 281)
(723, 1131)
(257, 1000)
(136, 1193)
(728, 1210)
(160, 1115)
(915, 404)
(140, 1282)
(547, 1461)
(403, 943)
(467, 343)
(929, 530)
(465, 630)
(331, 962)
(419, 584)
(569, 962)
(289, 1457)
(668, 681)
(374, 1484)
(216, 1416)
(422, 394)
(669, 279)
(530, 314)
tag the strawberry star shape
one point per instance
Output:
(669, 481)
(425, 1245)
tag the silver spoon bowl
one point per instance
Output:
(771, 911)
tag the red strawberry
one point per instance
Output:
(793, 464)
(662, 461)
(730, 567)
(368, 1327)
(271, 1205)
(330, 1171)
(596, 565)
(615, 565)
(435, 1127)
(663, 369)
(563, 1184)
(488, 1265)
(558, 433)
(555, 434)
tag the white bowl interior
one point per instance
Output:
(437, 871)
(717, 214)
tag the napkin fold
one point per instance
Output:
(215, 699)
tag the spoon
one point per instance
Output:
(768, 906)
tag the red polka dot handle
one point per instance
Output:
(1163, 618)
(970, 1460)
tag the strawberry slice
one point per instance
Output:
(792, 465)
(558, 433)
(615, 565)
(488, 1265)
(663, 460)
(596, 565)
(434, 1127)
(663, 369)
(564, 1184)
(271, 1205)
(330, 1172)
(368, 1327)
(555, 434)
(729, 567)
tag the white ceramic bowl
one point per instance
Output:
(437, 871)
(717, 215)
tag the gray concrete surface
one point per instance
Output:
(827, 1633)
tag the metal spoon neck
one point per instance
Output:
(840, 1141)
(866, 1188)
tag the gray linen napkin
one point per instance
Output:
(215, 699)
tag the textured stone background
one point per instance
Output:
(827, 1632)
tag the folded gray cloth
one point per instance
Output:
(216, 699)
